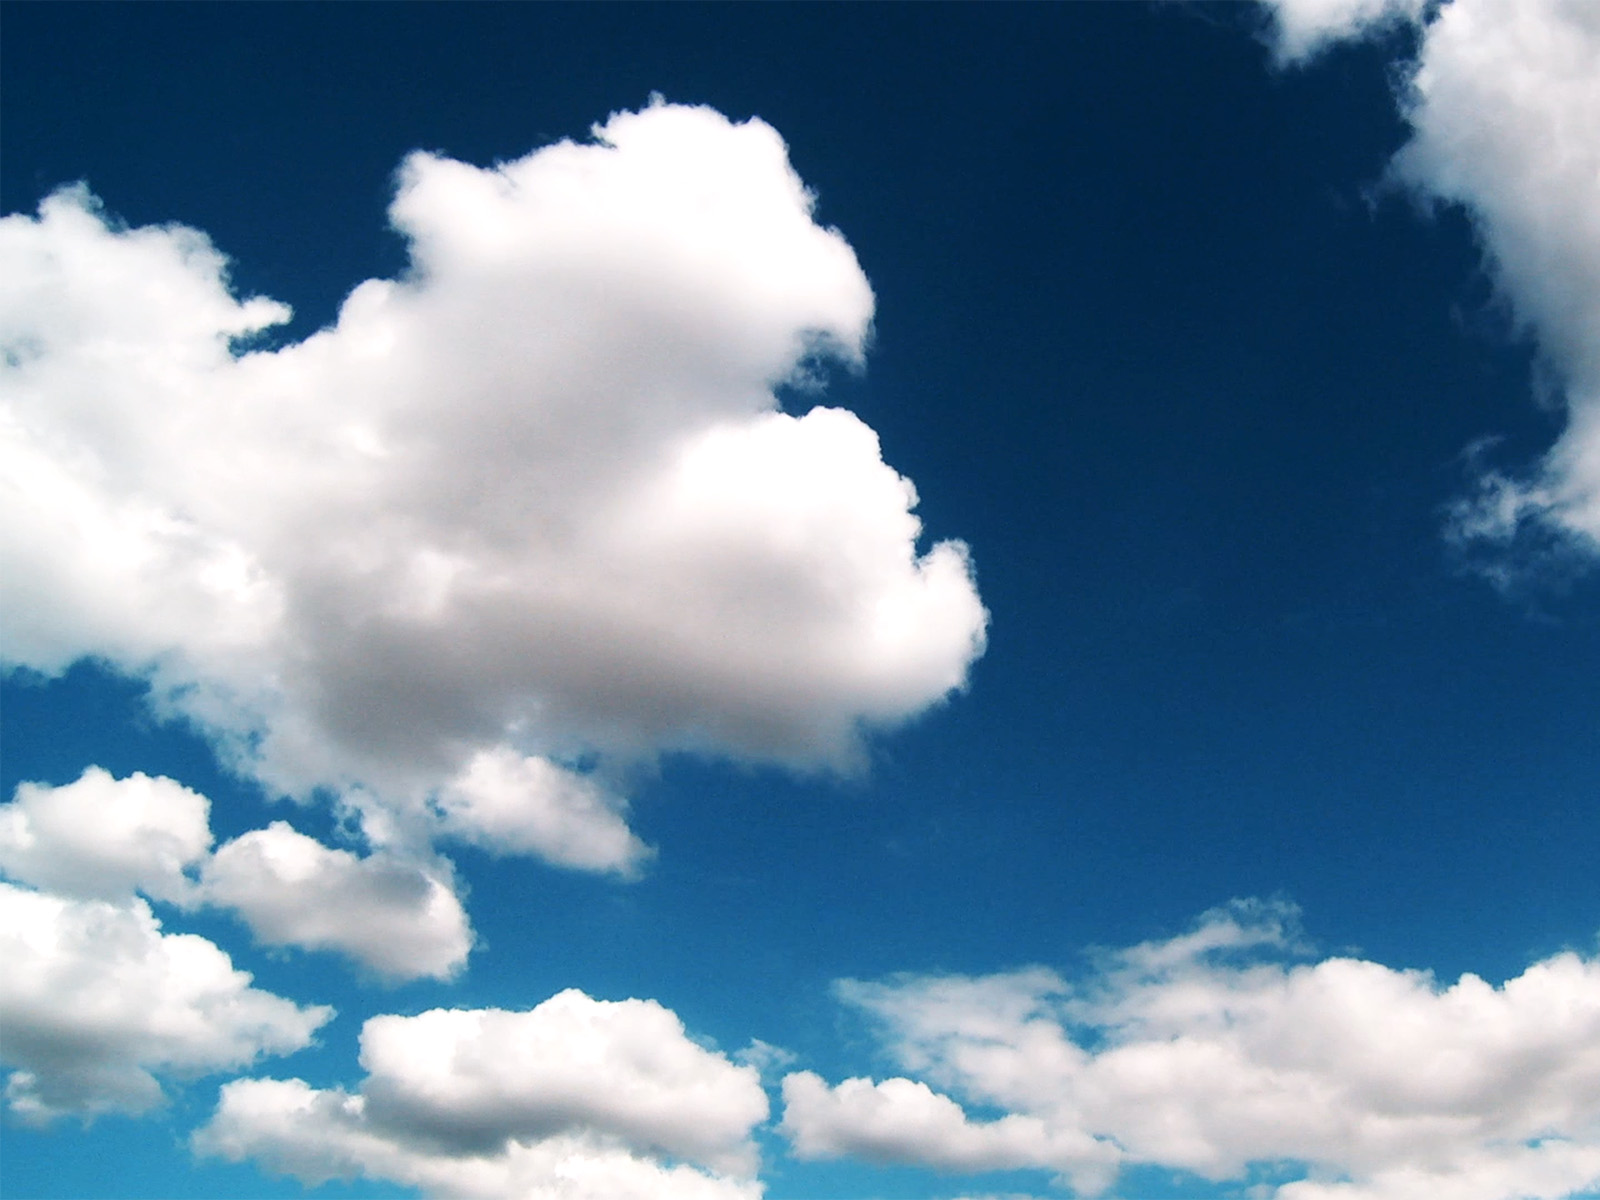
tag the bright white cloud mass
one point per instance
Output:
(1210, 1054)
(103, 838)
(534, 498)
(574, 1098)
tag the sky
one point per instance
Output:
(801, 601)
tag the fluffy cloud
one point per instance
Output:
(1208, 1053)
(392, 915)
(105, 838)
(510, 802)
(531, 503)
(574, 1098)
(1503, 101)
(904, 1121)
(95, 1000)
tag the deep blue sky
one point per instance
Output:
(1152, 335)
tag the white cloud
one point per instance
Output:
(95, 1000)
(104, 838)
(1303, 28)
(1208, 1053)
(534, 499)
(509, 802)
(576, 1097)
(395, 916)
(1503, 108)
(905, 1121)
(1503, 101)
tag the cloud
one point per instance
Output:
(392, 915)
(533, 503)
(95, 1000)
(904, 1121)
(108, 839)
(576, 1097)
(1301, 29)
(1503, 100)
(506, 801)
(104, 838)
(1210, 1053)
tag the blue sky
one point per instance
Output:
(806, 601)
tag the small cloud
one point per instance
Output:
(587, 1098)
(97, 1002)
(397, 917)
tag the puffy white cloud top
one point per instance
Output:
(574, 1098)
(1503, 101)
(1209, 1053)
(399, 918)
(104, 838)
(534, 500)
(95, 999)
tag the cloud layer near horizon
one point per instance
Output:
(533, 502)
(1208, 1053)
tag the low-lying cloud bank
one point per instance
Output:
(577, 1098)
(531, 505)
(1503, 100)
(1217, 1053)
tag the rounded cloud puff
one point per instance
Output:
(574, 1098)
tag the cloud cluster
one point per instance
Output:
(95, 1000)
(107, 839)
(1209, 1053)
(1503, 100)
(574, 1098)
(533, 503)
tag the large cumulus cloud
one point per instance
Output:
(534, 501)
